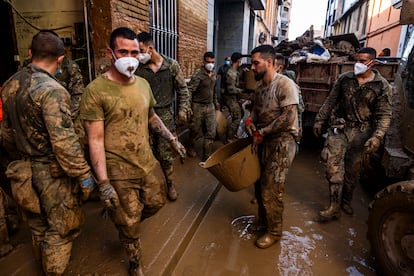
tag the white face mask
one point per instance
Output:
(126, 65)
(144, 57)
(360, 68)
(209, 66)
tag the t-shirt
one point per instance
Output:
(124, 108)
(269, 100)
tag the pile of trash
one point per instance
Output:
(306, 48)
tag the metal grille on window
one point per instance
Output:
(163, 20)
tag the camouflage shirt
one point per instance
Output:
(71, 78)
(367, 103)
(232, 82)
(37, 121)
(165, 82)
(202, 87)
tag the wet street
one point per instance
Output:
(208, 231)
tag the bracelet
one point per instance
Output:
(248, 121)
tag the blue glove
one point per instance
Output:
(87, 185)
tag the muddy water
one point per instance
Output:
(224, 242)
(184, 240)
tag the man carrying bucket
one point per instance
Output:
(273, 124)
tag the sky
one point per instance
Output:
(305, 13)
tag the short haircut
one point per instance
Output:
(236, 56)
(266, 51)
(368, 50)
(46, 45)
(145, 38)
(121, 32)
(280, 59)
(227, 58)
(208, 55)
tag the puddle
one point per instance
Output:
(243, 227)
(294, 258)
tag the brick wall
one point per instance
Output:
(107, 15)
(192, 30)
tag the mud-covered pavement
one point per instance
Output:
(208, 231)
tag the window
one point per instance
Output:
(163, 26)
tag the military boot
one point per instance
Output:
(171, 191)
(346, 200)
(333, 211)
(133, 250)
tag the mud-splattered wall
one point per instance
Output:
(192, 34)
(107, 15)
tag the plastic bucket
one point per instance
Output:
(235, 165)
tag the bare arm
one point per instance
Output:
(96, 140)
(156, 125)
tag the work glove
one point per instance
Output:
(317, 128)
(179, 148)
(372, 145)
(87, 185)
(108, 194)
(258, 136)
(182, 118)
(249, 126)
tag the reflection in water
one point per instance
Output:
(294, 252)
(242, 227)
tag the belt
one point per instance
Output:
(360, 125)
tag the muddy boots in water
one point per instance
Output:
(171, 191)
(133, 250)
(333, 211)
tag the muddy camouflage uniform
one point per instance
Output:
(132, 169)
(37, 126)
(277, 151)
(164, 83)
(230, 99)
(355, 113)
(203, 98)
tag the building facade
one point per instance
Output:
(182, 29)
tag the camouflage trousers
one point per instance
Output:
(343, 155)
(276, 156)
(235, 113)
(203, 124)
(161, 147)
(59, 222)
(139, 199)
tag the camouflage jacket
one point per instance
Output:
(37, 121)
(232, 83)
(165, 82)
(71, 78)
(202, 87)
(369, 103)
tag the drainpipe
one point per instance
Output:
(88, 50)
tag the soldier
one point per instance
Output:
(39, 137)
(359, 113)
(274, 127)
(230, 96)
(204, 104)
(117, 109)
(165, 78)
(70, 76)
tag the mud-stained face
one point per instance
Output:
(124, 48)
